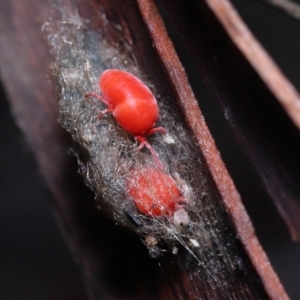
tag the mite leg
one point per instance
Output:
(100, 98)
(103, 112)
(157, 129)
(144, 143)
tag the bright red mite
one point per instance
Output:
(131, 103)
(154, 192)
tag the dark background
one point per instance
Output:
(35, 262)
(280, 36)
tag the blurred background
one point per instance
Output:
(35, 262)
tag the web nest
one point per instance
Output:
(107, 154)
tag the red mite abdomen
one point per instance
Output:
(134, 106)
(137, 117)
(154, 192)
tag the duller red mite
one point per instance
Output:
(131, 103)
(153, 192)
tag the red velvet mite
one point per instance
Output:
(153, 192)
(131, 103)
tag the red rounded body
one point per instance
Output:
(132, 103)
(154, 192)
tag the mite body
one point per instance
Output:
(131, 103)
(154, 192)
